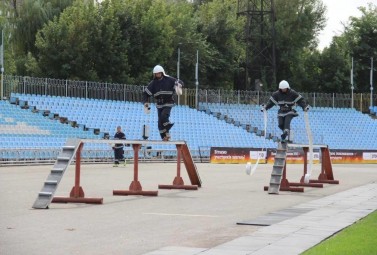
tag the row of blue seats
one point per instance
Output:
(208, 130)
(333, 126)
(188, 114)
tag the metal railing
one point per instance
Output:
(39, 156)
(133, 93)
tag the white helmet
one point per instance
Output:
(283, 85)
(159, 69)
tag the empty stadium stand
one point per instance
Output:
(340, 128)
(35, 126)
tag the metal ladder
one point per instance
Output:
(62, 162)
(278, 169)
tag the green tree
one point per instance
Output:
(298, 23)
(157, 28)
(361, 36)
(334, 65)
(27, 17)
(109, 45)
(5, 26)
(219, 25)
(65, 46)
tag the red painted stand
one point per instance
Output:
(285, 185)
(178, 181)
(302, 180)
(135, 187)
(77, 193)
(326, 175)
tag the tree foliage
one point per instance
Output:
(219, 23)
(122, 40)
(361, 39)
(298, 23)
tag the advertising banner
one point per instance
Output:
(227, 155)
(294, 156)
(353, 156)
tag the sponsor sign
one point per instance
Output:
(353, 156)
(294, 156)
(227, 155)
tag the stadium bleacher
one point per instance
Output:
(340, 128)
(45, 122)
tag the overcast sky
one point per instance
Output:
(339, 11)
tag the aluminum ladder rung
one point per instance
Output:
(45, 193)
(63, 158)
(69, 147)
(57, 170)
(51, 182)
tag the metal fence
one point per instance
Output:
(128, 92)
(133, 93)
(39, 156)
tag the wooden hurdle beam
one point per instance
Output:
(77, 194)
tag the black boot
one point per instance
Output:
(283, 138)
(169, 126)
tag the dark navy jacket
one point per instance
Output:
(162, 90)
(286, 102)
(119, 135)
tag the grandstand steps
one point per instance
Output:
(64, 159)
(278, 169)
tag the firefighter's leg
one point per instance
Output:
(287, 126)
(281, 126)
(281, 123)
(165, 118)
(167, 125)
(161, 128)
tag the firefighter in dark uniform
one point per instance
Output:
(162, 88)
(118, 147)
(286, 99)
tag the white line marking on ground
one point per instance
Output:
(184, 215)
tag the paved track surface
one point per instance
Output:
(176, 221)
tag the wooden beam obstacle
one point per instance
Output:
(77, 194)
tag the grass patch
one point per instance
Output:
(359, 238)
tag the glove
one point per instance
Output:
(178, 88)
(147, 108)
(306, 108)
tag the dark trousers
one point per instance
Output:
(118, 155)
(285, 123)
(164, 124)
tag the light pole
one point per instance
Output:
(178, 59)
(2, 65)
(178, 64)
(352, 87)
(197, 80)
(371, 83)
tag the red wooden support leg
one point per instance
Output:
(135, 186)
(77, 194)
(285, 185)
(326, 175)
(178, 182)
(302, 180)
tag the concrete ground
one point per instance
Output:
(176, 221)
